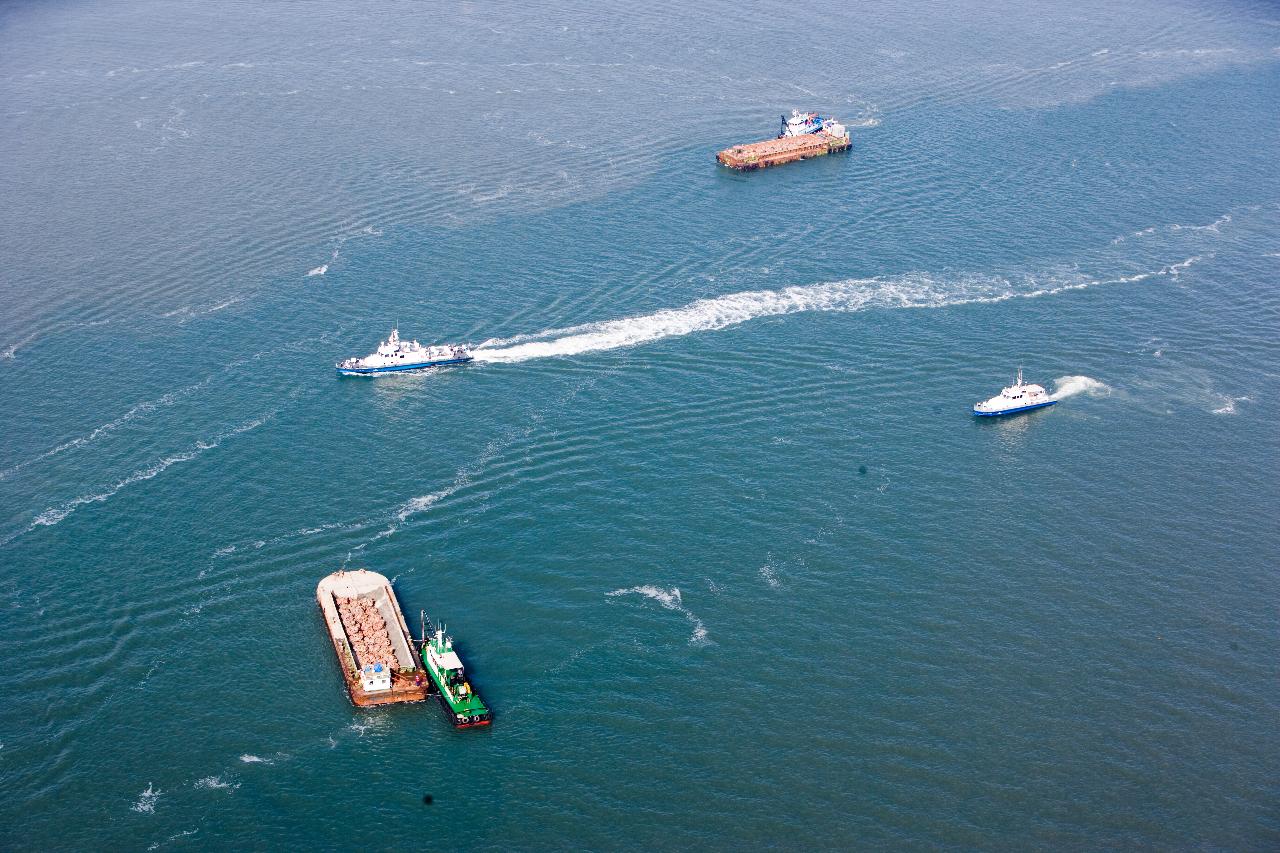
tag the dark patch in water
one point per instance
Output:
(427, 799)
(862, 469)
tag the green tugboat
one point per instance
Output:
(459, 699)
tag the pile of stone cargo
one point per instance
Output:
(367, 631)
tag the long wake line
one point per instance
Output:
(53, 515)
(856, 294)
(141, 408)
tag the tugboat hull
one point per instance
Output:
(465, 723)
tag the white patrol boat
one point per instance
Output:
(1018, 397)
(395, 354)
(800, 124)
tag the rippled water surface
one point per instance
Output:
(709, 517)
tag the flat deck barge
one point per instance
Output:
(374, 647)
(786, 149)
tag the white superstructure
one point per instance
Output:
(800, 124)
(375, 677)
(396, 354)
(1018, 397)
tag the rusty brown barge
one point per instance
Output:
(374, 647)
(775, 152)
(803, 136)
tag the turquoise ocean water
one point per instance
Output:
(710, 519)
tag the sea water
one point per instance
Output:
(709, 518)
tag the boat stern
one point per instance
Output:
(465, 721)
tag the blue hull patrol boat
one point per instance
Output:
(394, 354)
(1018, 397)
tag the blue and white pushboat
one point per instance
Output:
(799, 124)
(1018, 397)
(394, 354)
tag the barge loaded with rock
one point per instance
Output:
(375, 649)
(803, 136)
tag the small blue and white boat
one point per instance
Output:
(800, 124)
(1018, 397)
(394, 354)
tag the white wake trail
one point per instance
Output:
(1070, 386)
(671, 600)
(139, 409)
(54, 515)
(916, 290)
